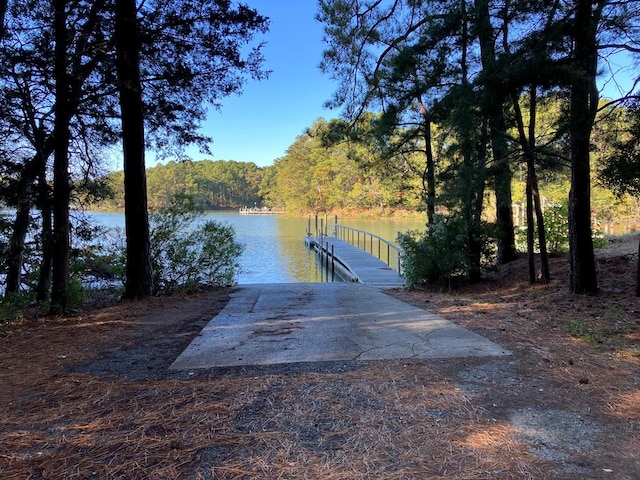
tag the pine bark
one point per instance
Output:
(494, 98)
(429, 177)
(528, 145)
(61, 185)
(583, 107)
(138, 269)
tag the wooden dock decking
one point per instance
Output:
(361, 266)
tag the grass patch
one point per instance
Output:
(609, 337)
(583, 331)
(614, 314)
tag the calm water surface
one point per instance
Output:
(274, 245)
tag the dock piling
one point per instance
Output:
(333, 264)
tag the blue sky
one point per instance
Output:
(259, 125)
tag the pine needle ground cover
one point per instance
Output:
(90, 396)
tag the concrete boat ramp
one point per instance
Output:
(317, 322)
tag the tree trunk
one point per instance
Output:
(528, 145)
(473, 163)
(15, 252)
(138, 269)
(504, 212)
(471, 172)
(583, 107)
(474, 237)
(530, 231)
(44, 278)
(33, 169)
(474, 198)
(542, 236)
(494, 98)
(429, 171)
(545, 273)
(61, 186)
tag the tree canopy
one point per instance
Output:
(59, 91)
(466, 66)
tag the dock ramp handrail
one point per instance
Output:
(367, 241)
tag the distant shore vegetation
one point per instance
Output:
(321, 176)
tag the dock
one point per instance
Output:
(261, 211)
(353, 263)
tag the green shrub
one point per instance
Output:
(75, 293)
(437, 256)
(12, 307)
(556, 224)
(556, 227)
(187, 253)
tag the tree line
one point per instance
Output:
(219, 184)
(313, 176)
(326, 170)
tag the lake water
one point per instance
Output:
(274, 244)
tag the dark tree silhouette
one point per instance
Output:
(138, 267)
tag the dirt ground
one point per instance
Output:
(89, 396)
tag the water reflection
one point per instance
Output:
(274, 248)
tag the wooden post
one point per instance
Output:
(333, 264)
(327, 256)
